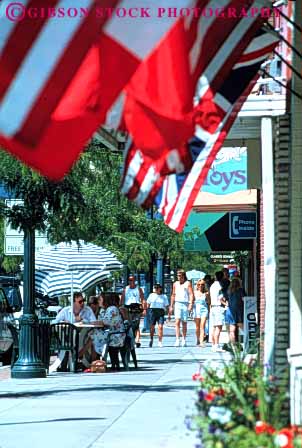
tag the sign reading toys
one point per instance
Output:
(228, 173)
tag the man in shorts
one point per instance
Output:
(182, 300)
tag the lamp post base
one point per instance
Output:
(28, 364)
(36, 370)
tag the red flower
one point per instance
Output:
(220, 392)
(256, 403)
(262, 427)
(209, 396)
(285, 438)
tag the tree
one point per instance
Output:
(87, 204)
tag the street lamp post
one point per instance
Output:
(28, 364)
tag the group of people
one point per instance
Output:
(220, 299)
(103, 311)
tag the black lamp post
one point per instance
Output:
(28, 364)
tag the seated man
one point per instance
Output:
(78, 313)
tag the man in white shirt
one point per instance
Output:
(79, 312)
(217, 311)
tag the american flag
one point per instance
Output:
(178, 193)
(155, 114)
(60, 78)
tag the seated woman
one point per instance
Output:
(113, 321)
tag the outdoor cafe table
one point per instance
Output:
(83, 329)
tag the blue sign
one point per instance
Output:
(242, 225)
(228, 172)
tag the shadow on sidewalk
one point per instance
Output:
(54, 420)
(105, 388)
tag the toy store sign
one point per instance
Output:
(228, 173)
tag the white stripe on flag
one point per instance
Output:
(171, 192)
(222, 102)
(260, 42)
(228, 46)
(7, 26)
(133, 168)
(147, 184)
(40, 61)
(141, 39)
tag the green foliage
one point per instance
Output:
(87, 204)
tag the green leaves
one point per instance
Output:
(87, 204)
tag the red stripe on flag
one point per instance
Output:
(257, 53)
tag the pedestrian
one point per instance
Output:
(201, 311)
(234, 312)
(218, 303)
(158, 304)
(225, 282)
(182, 300)
(133, 294)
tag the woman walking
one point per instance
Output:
(158, 304)
(201, 311)
(234, 312)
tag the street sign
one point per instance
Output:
(242, 225)
(13, 242)
(221, 257)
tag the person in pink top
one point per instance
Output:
(182, 300)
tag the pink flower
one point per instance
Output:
(197, 377)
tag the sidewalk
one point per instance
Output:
(144, 407)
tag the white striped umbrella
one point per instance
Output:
(76, 257)
(59, 283)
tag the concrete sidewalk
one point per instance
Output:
(145, 407)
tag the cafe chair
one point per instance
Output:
(64, 339)
(127, 350)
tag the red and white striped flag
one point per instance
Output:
(59, 76)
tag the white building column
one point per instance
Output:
(269, 238)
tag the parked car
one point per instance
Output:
(6, 339)
(11, 287)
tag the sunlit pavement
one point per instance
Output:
(145, 407)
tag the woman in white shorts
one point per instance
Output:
(200, 311)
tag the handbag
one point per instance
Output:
(98, 366)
